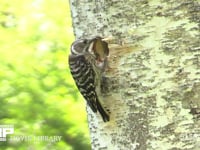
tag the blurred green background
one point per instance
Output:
(37, 93)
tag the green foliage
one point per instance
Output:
(37, 93)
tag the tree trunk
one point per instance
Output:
(153, 89)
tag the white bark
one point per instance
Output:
(154, 75)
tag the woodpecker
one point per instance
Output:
(84, 60)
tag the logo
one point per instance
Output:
(5, 130)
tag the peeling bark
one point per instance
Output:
(153, 89)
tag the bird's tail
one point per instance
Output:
(102, 112)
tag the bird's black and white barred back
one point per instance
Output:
(85, 74)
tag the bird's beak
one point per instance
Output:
(91, 44)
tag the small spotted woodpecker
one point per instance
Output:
(87, 62)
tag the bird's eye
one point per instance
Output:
(85, 41)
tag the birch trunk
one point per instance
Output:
(153, 89)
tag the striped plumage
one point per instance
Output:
(83, 71)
